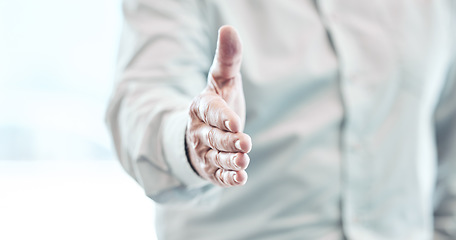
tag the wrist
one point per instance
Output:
(187, 154)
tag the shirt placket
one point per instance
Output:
(356, 95)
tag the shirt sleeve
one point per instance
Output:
(163, 62)
(445, 197)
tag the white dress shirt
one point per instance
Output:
(351, 107)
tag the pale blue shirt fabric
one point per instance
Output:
(351, 106)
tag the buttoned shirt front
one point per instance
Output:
(351, 107)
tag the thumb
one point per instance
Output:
(228, 55)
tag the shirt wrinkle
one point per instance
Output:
(352, 117)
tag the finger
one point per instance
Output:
(223, 141)
(228, 178)
(213, 110)
(227, 161)
(228, 55)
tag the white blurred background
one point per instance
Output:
(59, 178)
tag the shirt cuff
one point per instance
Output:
(174, 150)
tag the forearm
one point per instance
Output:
(162, 66)
(148, 127)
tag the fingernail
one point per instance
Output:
(227, 125)
(235, 178)
(233, 160)
(237, 144)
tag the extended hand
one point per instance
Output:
(216, 145)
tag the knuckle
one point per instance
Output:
(226, 178)
(210, 110)
(211, 138)
(229, 177)
(204, 107)
(219, 176)
(232, 161)
(217, 160)
(194, 106)
(194, 139)
(204, 112)
(228, 141)
(198, 108)
(205, 158)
